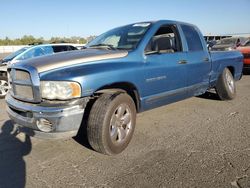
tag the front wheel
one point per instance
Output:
(111, 123)
(4, 86)
(225, 86)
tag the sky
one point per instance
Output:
(65, 18)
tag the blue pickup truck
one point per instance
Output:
(122, 72)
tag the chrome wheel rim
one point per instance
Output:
(120, 124)
(4, 87)
(230, 82)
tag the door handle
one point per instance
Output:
(206, 59)
(182, 62)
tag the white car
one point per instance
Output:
(27, 53)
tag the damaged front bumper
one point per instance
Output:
(47, 121)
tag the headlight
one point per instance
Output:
(61, 90)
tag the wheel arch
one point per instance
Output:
(123, 87)
(232, 70)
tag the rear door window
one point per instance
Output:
(192, 37)
(59, 48)
(72, 48)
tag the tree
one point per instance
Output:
(90, 38)
(29, 39)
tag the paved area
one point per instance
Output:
(199, 142)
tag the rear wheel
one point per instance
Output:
(225, 86)
(111, 123)
(4, 86)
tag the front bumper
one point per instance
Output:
(3, 68)
(65, 120)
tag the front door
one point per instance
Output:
(165, 69)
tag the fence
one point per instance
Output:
(10, 49)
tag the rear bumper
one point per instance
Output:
(65, 121)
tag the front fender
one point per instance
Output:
(94, 76)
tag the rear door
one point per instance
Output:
(198, 61)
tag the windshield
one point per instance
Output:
(36, 52)
(126, 37)
(13, 55)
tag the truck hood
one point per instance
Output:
(64, 59)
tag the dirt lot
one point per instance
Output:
(199, 142)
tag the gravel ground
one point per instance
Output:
(199, 142)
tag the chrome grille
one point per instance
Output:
(24, 91)
(22, 75)
(22, 86)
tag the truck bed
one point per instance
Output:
(221, 59)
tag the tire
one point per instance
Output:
(225, 86)
(4, 86)
(111, 123)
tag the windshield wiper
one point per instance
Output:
(109, 46)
